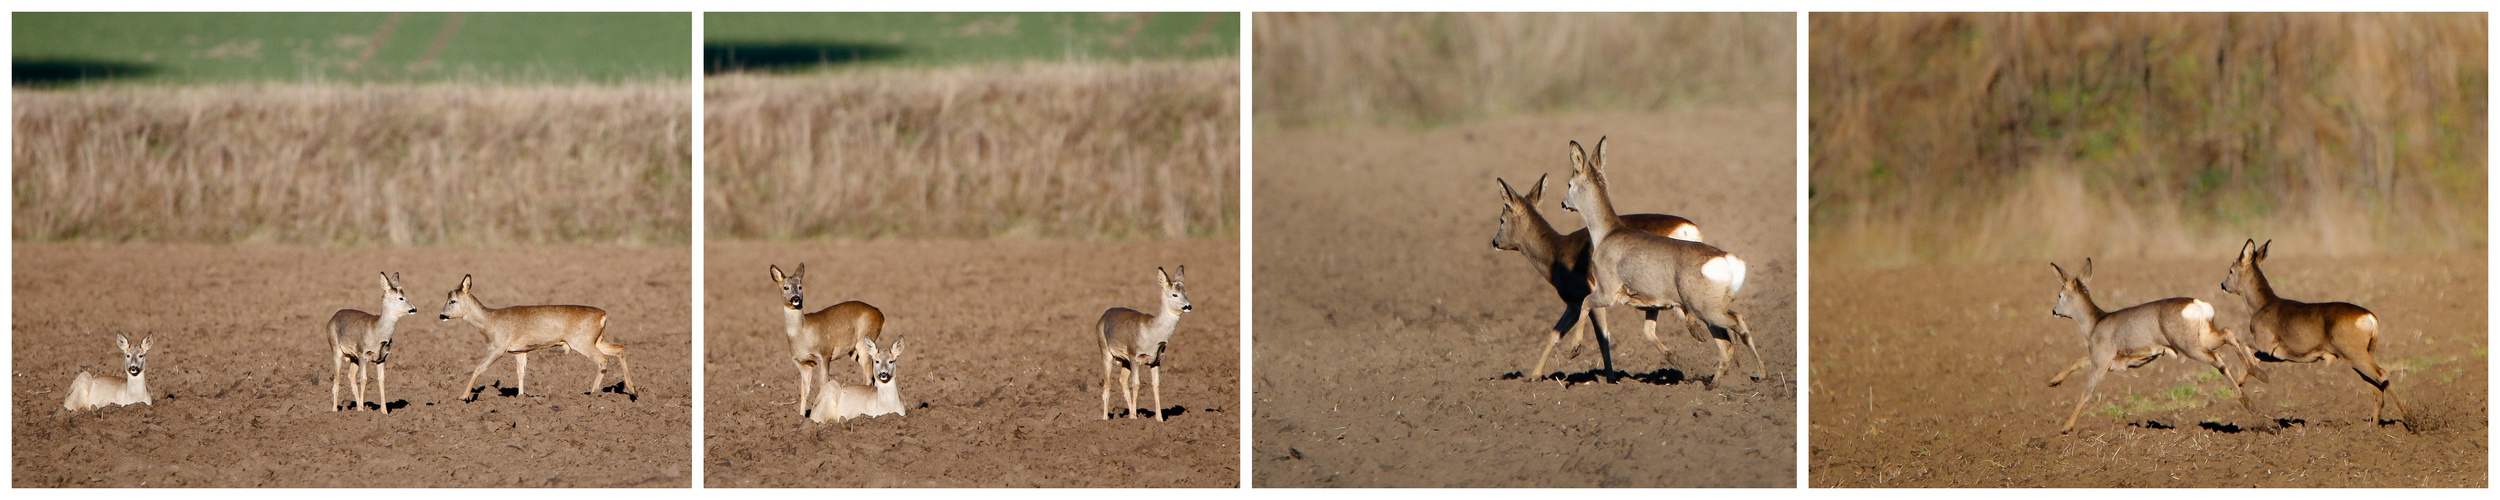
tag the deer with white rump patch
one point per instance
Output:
(88, 392)
(2134, 336)
(818, 338)
(841, 402)
(1134, 341)
(1563, 258)
(2303, 332)
(360, 339)
(1653, 273)
(520, 329)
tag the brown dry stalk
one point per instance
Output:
(1333, 69)
(351, 164)
(1985, 137)
(1089, 150)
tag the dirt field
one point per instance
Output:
(1000, 373)
(240, 372)
(1936, 377)
(1391, 334)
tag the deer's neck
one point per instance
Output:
(2091, 314)
(1599, 214)
(889, 397)
(384, 324)
(790, 320)
(479, 315)
(136, 387)
(1543, 246)
(1160, 328)
(2259, 293)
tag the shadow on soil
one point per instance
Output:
(790, 56)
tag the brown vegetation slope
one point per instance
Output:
(356, 165)
(2178, 134)
(1117, 150)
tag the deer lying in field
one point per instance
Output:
(1652, 273)
(359, 339)
(1132, 341)
(818, 338)
(88, 392)
(2134, 336)
(842, 402)
(520, 329)
(2302, 332)
(1563, 259)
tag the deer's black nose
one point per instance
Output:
(1184, 308)
(446, 317)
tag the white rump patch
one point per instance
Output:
(1725, 269)
(2367, 322)
(1686, 232)
(2197, 311)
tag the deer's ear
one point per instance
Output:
(2087, 269)
(1180, 273)
(777, 276)
(1167, 277)
(2261, 250)
(898, 347)
(1601, 153)
(464, 283)
(1579, 157)
(145, 342)
(1507, 194)
(1539, 193)
(802, 271)
(122, 340)
(2061, 272)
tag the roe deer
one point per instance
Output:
(817, 338)
(521, 329)
(1132, 340)
(2131, 337)
(1563, 259)
(2302, 332)
(88, 392)
(841, 402)
(1651, 273)
(359, 339)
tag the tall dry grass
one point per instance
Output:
(1100, 150)
(1423, 69)
(354, 165)
(1983, 137)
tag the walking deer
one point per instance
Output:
(1653, 273)
(842, 402)
(1133, 340)
(1563, 259)
(359, 340)
(520, 329)
(2302, 332)
(2134, 336)
(88, 392)
(817, 338)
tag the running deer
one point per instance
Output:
(1132, 340)
(88, 392)
(1563, 258)
(842, 402)
(817, 338)
(2134, 336)
(2302, 332)
(360, 339)
(1652, 273)
(520, 329)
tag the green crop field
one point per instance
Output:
(786, 41)
(184, 48)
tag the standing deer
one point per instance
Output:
(817, 338)
(359, 339)
(1652, 273)
(520, 329)
(88, 392)
(1132, 340)
(1563, 259)
(2132, 337)
(2302, 332)
(842, 402)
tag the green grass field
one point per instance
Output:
(186, 48)
(787, 41)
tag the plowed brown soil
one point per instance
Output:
(1936, 377)
(1391, 335)
(240, 369)
(1001, 373)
